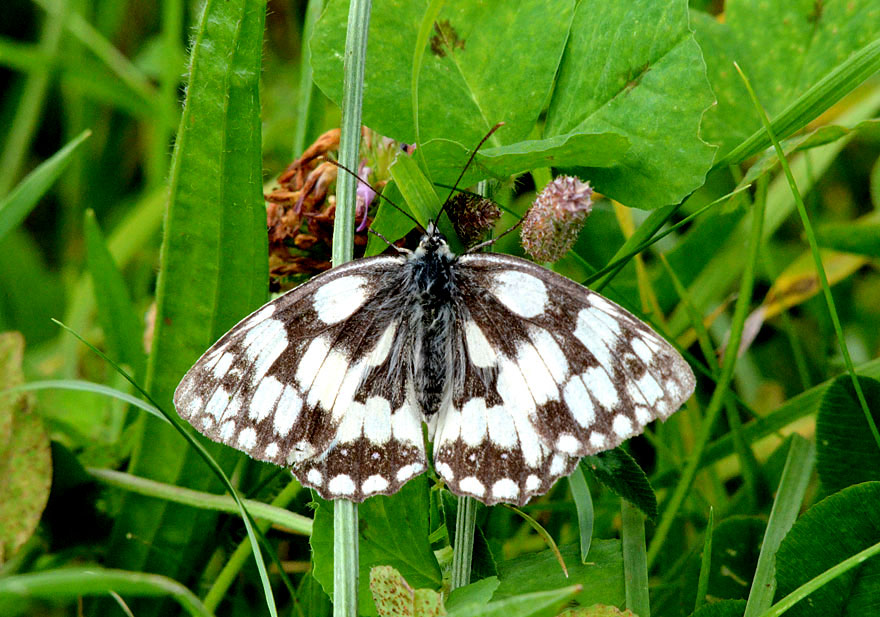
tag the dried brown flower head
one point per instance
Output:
(472, 216)
(554, 221)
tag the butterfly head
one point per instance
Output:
(433, 243)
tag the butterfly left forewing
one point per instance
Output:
(304, 382)
(570, 373)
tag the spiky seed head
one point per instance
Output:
(554, 221)
(472, 216)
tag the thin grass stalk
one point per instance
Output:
(463, 550)
(306, 84)
(817, 258)
(705, 562)
(720, 393)
(635, 565)
(345, 517)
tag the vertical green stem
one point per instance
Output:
(345, 518)
(635, 563)
(463, 550)
(306, 84)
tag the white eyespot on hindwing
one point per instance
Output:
(340, 298)
(522, 293)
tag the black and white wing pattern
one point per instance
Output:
(308, 382)
(554, 371)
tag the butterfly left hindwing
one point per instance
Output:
(304, 382)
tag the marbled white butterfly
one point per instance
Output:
(516, 370)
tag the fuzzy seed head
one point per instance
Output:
(472, 216)
(554, 221)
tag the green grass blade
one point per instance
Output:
(807, 588)
(345, 513)
(425, 29)
(814, 246)
(705, 562)
(73, 583)
(27, 113)
(463, 551)
(307, 106)
(848, 75)
(119, 320)
(583, 503)
(635, 562)
(294, 523)
(789, 496)
(720, 393)
(16, 206)
(213, 271)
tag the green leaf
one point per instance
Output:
(736, 544)
(810, 39)
(213, 271)
(583, 503)
(21, 200)
(601, 577)
(832, 530)
(625, 68)
(393, 532)
(487, 62)
(312, 598)
(861, 236)
(395, 598)
(388, 222)
(619, 471)
(478, 593)
(538, 604)
(122, 328)
(846, 452)
(25, 458)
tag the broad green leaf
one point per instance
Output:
(393, 532)
(486, 62)
(601, 577)
(122, 328)
(213, 271)
(784, 48)
(536, 604)
(736, 544)
(619, 471)
(388, 222)
(475, 593)
(832, 530)
(846, 451)
(395, 598)
(625, 68)
(25, 459)
(21, 200)
(312, 598)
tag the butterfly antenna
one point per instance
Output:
(362, 181)
(468, 164)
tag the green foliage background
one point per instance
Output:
(137, 140)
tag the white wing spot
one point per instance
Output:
(522, 293)
(380, 351)
(568, 443)
(374, 484)
(622, 425)
(301, 451)
(557, 465)
(347, 389)
(341, 485)
(264, 398)
(227, 431)
(220, 369)
(352, 425)
(328, 380)
(643, 415)
(445, 471)
(314, 476)
(480, 350)
(473, 421)
(538, 378)
(599, 385)
(408, 471)
(340, 298)
(592, 338)
(502, 430)
(262, 314)
(406, 426)
(597, 440)
(472, 485)
(533, 483)
(218, 403)
(579, 402)
(310, 362)
(272, 450)
(377, 420)
(286, 411)
(550, 353)
(247, 438)
(505, 488)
